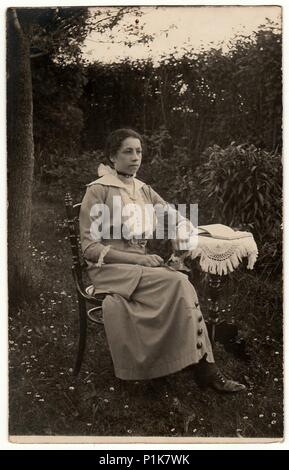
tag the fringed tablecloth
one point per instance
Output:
(219, 256)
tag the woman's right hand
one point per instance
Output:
(151, 261)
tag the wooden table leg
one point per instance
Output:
(225, 332)
(214, 287)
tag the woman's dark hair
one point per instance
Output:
(115, 139)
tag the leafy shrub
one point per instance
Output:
(244, 185)
(57, 116)
(163, 160)
(72, 174)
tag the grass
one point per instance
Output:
(45, 398)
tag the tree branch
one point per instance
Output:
(38, 54)
(113, 18)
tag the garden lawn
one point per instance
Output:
(46, 399)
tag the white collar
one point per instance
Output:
(109, 178)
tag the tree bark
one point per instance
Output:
(20, 151)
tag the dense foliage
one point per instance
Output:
(199, 99)
(202, 98)
(58, 119)
(244, 186)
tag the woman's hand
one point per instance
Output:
(116, 256)
(151, 261)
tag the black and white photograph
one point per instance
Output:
(144, 187)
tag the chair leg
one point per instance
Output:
(82, 335)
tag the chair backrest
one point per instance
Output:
(72, 220)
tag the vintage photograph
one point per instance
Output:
(144, 170)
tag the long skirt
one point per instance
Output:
(152, 318)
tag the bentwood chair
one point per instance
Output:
(94, 313)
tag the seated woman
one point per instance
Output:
(152, 318)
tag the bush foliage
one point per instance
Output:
(185, 103)
(243, 184)
(201, 99)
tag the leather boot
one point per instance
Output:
(209, 375)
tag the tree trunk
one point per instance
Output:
(20, 155)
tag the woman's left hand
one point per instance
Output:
(151, 261)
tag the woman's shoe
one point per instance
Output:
(208, 375)
(219, 382)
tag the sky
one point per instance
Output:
(174, 27)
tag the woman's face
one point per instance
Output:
(128, 157)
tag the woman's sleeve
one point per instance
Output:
(91, 245)
(176, 226)
(168, 208)
(155, 197)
